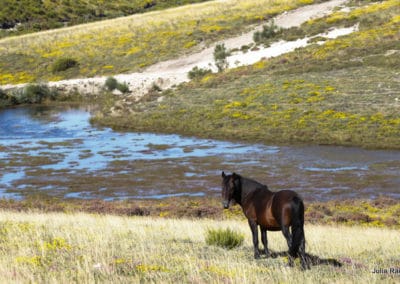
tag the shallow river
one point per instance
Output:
(56, 151)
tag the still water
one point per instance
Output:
(55, 151)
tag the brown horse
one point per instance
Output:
(272, 211)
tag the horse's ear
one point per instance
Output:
(223, 174)
(235, 176)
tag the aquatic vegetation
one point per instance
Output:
(30, 94)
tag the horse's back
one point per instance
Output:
(282, 204)
(286, 195)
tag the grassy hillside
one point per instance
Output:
(130, 43)
(24, 16)
(88, 248)
(344, 92)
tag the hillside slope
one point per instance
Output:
(342, 91)
(336, 91)
(99, 248)
(175, 71)
(132, 43)
(25, 16)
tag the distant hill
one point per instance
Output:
(24, 16)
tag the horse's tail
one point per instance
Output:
(298, 239)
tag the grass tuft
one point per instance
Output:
(226, 238)
(63, 64)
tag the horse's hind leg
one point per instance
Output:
(254, 231)
(288, 237)
(265, 241)
(302, 253)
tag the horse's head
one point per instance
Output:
(230, 186)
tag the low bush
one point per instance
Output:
(155, 88)
(5, 99)
(122, 87)
(63, 64)
(111, 83)
(220, 55)
(197, 73)
(226, 238)
(3, 95)
(33, 94)
(267, 32)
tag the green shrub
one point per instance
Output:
(111, 83)
(33, 94)
(5, 99)
(197, 73)
(3, 95)
(8, 99)
(155, 88)
(245, 48)
(267, 32)
(220, 55)
(123, 87)
(63, 64)
(226, 238)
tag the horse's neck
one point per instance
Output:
(248, 187)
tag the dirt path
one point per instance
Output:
(172, 72)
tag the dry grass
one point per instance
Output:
(86, 248)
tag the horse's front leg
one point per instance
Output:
(254, 231)
(265, 241)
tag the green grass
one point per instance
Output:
(340, 93)
(84, 248)
(131, 43)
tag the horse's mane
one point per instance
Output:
(250, 184)
(250, 181)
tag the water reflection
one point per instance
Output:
(55, 151)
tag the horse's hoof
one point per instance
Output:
(305, 266)
(290, 264)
